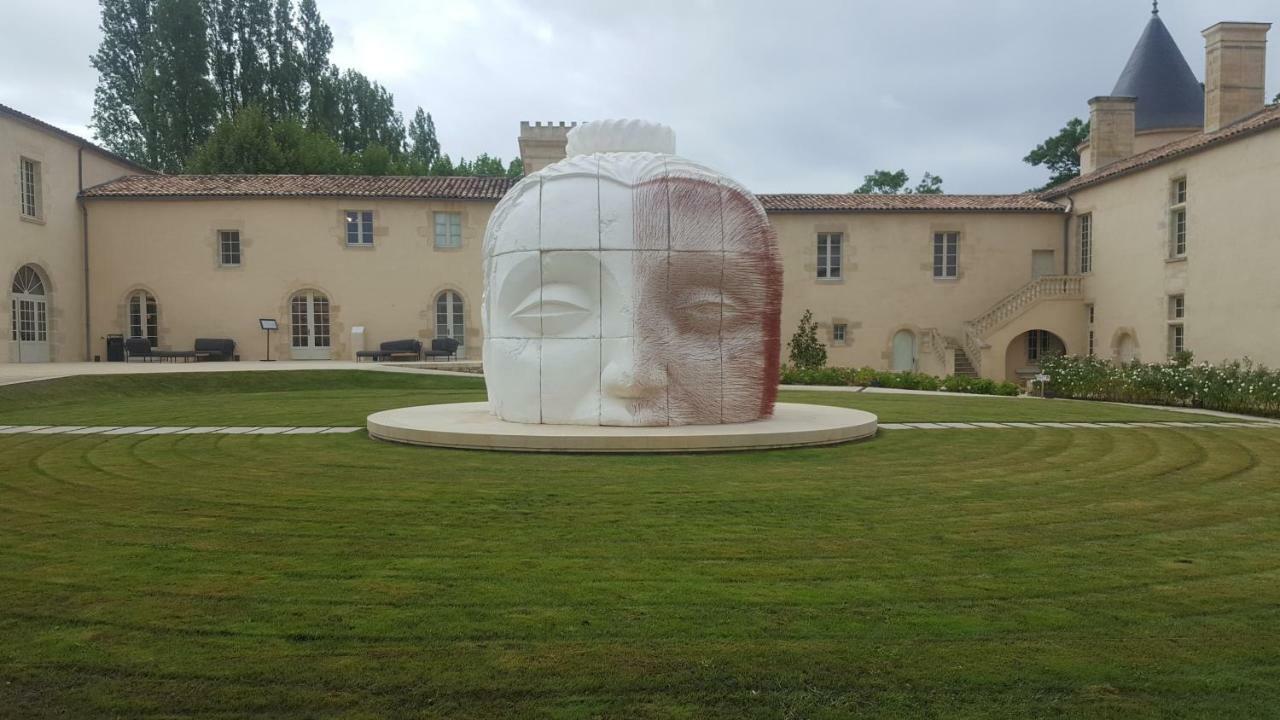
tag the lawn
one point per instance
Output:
(346, 397)
(963, 574)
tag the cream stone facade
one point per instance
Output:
(170, 250)
(42, 228)
(1166, 242)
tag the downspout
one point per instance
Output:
(1066, 237)
(84, 249)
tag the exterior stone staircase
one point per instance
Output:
(964, 366)
(1056, 287)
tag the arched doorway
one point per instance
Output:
(29, 313)
(1126, 347)
(904, 351)
(1023, 356)
(309, 325)
(450, 322)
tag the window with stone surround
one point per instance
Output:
(946, 255)
(1086, 243)
(1178, 219)
(448, 230)
(229, 248)
(359, 227)
(829, 255)
(838, 333)
(29, 175)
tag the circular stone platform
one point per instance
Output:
(470, 426)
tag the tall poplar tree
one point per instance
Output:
(179, 99)
(118, 120)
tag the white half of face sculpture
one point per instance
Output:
(627, 286)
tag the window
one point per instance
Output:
(829, 255)
(144, 320)
(309, 325)
(1178, 219)
(29, 170)
(359, 227)
(1089, 316)
(1037, 344)
(946, 255)
(29, 307)
(838, 331)
(1086, 244)
(1177, 307)
(229, 248)
(449, 317)
(1177, 338)
(448, 230)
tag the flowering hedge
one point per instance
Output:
(869, 377)
(1238, 386)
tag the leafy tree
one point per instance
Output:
(516, 169)
(368, 116)
(249, 144)
(284, 62)
(375, 160)
(177, 95)
(1058, 153)
(171, 71)
(424, 147)
(442, 166)
(244, 144)
(252, 20)
(118, 119)
(486, 165)
(317, 40)
(888, 182)
(930, 184)
(807, 352)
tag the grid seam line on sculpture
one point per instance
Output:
(541, 280)
(600, 294)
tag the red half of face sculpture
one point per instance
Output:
(633, 289)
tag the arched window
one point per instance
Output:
(144, 318)
(29, 315)
(309, 325)
(449, 317)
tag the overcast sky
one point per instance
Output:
(786, 96)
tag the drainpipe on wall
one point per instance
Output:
(1066, 237)
(84, 242)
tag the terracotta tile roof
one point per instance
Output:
(1267, 119)
(242, 186)
(74, 139)
(855, 202)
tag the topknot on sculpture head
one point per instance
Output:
(609, 136)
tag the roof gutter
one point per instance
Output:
(84, 247)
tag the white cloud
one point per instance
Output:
(808, 95)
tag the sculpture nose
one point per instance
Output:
(625, 378)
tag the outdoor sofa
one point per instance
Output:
(216, 349)
(405, 349)
(443, 348)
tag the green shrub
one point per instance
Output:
(805, 349)
(1237, 386)
(870, 377)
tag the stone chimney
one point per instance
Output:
(1235, 72)
(541, 145)
(1111, 131)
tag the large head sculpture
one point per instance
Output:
(627, 286)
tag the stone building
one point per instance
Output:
(1164, 243)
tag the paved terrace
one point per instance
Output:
(16, 373)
